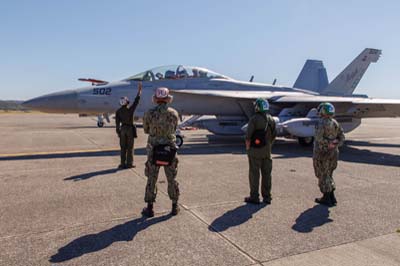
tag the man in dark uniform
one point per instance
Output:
(261, 133)
(126, 129)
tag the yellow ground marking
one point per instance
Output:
(19, 112)
(55, 152)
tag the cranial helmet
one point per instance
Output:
(326, 109)
(261, 105)
(162, 95)
(124, 101)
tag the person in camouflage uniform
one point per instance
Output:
(160, 123)
(328, 138)
(260, 157)
(126, 129)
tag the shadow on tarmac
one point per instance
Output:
(96, 242)
(235, 217)
(282, 150)
(311, 218)
(371, 144)
(61, 155)
(92, 174)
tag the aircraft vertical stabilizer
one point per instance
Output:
(312, 77)
(346, 82)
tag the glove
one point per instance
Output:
(333, 144)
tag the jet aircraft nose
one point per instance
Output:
(59, 102)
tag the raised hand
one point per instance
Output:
(140, 88)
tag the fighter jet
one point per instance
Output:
(203, 93)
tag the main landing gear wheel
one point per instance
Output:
(100, 124)
(179, 140)
(306, 142)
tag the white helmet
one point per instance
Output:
(124, 101)
(162, 95)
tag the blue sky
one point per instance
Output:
(45, 46)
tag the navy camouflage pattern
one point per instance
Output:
(328, 138)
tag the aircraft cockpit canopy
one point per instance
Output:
(175, 72)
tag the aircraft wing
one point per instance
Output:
(354, 106)
(251, 95)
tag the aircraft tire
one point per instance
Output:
(179, 140)
(306, 142)
(100, 124)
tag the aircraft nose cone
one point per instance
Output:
(60, 102)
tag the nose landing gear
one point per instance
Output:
(101, 118)
(306, 142)
(179, 138)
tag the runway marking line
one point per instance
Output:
(55, 152)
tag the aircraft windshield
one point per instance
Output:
(175, 72)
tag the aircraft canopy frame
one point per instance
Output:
(176, 72)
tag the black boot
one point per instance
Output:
(324, 200)
(267, 201)
(333, 198)
(148, 211)
(252, 200)
(175, 209)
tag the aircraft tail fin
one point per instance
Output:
(312, 76)
(346, 82)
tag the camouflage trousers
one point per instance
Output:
(152, 171)
(324, 165)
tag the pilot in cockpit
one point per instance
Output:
(195, 73)
(169, 74)
(203, 73)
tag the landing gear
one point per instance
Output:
(306, 142)
(179, 140)
(100, 121)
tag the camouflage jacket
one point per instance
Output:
(161, 123)
(326, 131)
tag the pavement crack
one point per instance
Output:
(253, 260)
(324, 248)
(226, 239)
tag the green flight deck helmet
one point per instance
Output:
(326, 109)
(261, 105)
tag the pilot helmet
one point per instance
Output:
(195, 72)
(261, 105)
(326, 109)
(124, 101)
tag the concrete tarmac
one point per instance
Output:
(63, 202)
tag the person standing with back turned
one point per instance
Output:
(261, 133)
(161, 123)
